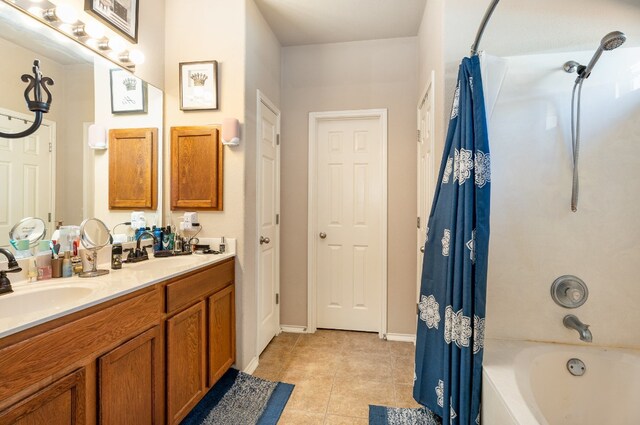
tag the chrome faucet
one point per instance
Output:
(13, 267)
(572, 322)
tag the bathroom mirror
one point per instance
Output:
(94, 235)
(53, 174)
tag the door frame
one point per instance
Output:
(314, 119)
(429, 89)
(53, 159)
(263, 101)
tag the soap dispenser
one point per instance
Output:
(116, 256)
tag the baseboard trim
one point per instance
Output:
(294, 329)
(402, 338)
(252, 366)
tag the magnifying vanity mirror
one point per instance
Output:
(94, 235)
(30, 229)
(54, 174)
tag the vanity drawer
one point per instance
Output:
(187, 290)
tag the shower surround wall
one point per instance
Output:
(534, 235)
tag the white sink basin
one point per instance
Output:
(20, 303)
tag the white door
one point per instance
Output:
(26, 179)
(426, 173)
(350, 223)
(268, 202)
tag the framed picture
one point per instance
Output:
(198, 85)
(128, 93)
(121, 15)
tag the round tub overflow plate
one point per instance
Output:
(576, 367)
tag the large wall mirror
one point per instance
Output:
(54, 174)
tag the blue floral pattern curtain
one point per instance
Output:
(450, 336)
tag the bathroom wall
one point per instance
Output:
(263, 72)
(219, 34)
(356, 75)
(535, 238)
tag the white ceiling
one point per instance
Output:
(300, 22)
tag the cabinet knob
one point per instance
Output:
(323, 235)
(264, 240)
(422, 249)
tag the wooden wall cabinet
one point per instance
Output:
(196, 168)
(133, 168)
(130, 382)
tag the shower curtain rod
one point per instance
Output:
(483, 25)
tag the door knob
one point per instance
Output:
(422, 249)
(264, 240)
(323, 235)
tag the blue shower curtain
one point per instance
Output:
(450, 335)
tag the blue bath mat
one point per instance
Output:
(241, 399)
(380, 415)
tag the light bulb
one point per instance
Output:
(66, 13)
(136, 56)
(117, 44)
(94, 30)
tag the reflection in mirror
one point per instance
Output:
(53, 174)
(94, 235)
(30, 229)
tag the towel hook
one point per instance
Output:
(37, 83)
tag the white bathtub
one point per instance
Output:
(527, 383)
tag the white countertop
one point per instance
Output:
(38, 302)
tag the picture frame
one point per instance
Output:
(120, 15)
(128, 93)
(199, 85)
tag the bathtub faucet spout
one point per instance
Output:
(572, 322)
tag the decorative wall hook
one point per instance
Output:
(37, 83)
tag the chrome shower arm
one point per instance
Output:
(483, 25)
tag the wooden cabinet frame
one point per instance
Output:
(133, 168)
(196, 168)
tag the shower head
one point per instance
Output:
(610, 41)
(613, 40)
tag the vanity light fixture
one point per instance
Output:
(134, 56)
(63, 13)
(65, 19)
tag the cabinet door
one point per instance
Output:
(130, 381)
(133, 168)
(222, 333)
(186, 359)
(61, 403)
(196, 168)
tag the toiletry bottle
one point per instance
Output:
(66, 265)
(32, 273)
(223, 246)
(157, 232)
(116, 256)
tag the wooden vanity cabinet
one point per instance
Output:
(200, 336)
(130, 381)
(222, 333)
(186, 362)
(146, 358)
(60, 403)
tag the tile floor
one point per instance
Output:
(337, 374)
